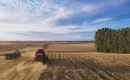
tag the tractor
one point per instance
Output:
(14, 55)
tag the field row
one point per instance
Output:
(63, 66)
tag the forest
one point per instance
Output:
(113, 41)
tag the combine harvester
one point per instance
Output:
(11, 56)
(40, 55)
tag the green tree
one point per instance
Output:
(108, 40)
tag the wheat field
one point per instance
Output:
(67, 61)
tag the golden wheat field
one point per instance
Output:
(67, 61)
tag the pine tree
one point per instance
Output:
(108, 40)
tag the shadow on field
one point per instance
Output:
(58, 62)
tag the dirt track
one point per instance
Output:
(67, 62)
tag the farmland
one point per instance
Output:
(67, 61)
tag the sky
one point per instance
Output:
(60, 20)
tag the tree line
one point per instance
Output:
(113, 41)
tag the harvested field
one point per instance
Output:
(24, 68)
(67, 61)
(12, 46)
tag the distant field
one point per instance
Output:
(67, 61)
(17, 45)
(88, 47)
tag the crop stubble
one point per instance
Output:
(67, 62)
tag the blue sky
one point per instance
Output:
(55, 20)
